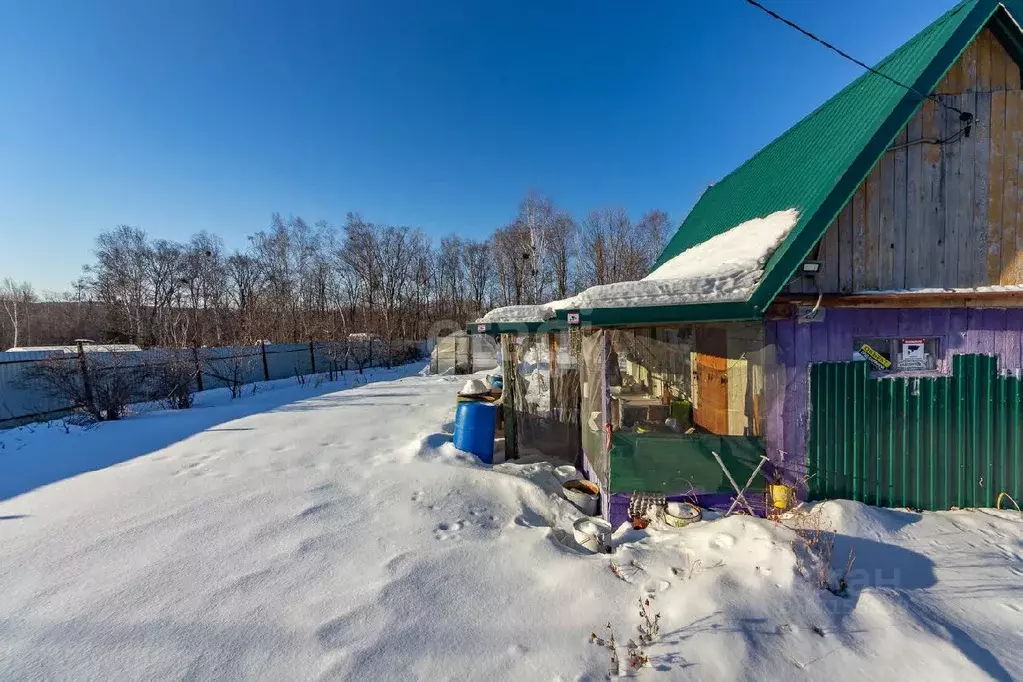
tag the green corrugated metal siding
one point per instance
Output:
(926, 443)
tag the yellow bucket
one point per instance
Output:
(781, 495)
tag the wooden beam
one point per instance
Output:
(905, 299)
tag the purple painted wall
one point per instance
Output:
(961, 330)
(617, 512)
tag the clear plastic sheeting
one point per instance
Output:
(594, 403)
(657, 403)
(546, 396)
(691, 378)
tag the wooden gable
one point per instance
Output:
(934, 214)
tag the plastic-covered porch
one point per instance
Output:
(658, 402)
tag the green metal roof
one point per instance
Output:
(639, 316)
(817, 165)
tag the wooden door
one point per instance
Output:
(711, 367)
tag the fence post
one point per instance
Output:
(198, 366)
(86, 383)
(312, 358)
(266, 368)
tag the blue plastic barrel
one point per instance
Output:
(474, 429)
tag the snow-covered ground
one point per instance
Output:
(302, 533)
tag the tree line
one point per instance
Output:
(295, 281)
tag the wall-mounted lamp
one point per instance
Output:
(811, 268)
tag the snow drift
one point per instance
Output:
(340, 535)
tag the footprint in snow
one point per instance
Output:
(447, 531)
(723, 541)
(315, 510)
(195, 465)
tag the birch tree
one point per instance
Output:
(16, 297)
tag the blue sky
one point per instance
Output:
(183, 115)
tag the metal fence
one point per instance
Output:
(922, 442)
(23, 400)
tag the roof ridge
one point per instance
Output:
(940, 61)
(934, 25)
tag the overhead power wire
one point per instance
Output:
(964, 116)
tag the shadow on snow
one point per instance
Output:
(38, 455)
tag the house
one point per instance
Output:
(848, 302)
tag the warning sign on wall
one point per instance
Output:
(876, 359)
(914, 355)
(913, 349)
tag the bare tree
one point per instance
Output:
(511, 253)
(536, 217)
(296, 281)
(16, 299)
(244, 283)
(653, 232)
(119, 280)
(614, 249)
(476, 266)
(561, 241)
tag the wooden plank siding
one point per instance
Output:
(940, 209)
(996, 183)
(1017, 217)
(1010, 180)
(982, 152)
(984, 66)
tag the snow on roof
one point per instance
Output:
(528, 313)
(725, 268)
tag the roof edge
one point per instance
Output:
(514, 328)
(707, 193)
(646, 316)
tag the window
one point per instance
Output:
(918, 354)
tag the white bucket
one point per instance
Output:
(593, 534)
(583, 494)
(567, 473)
